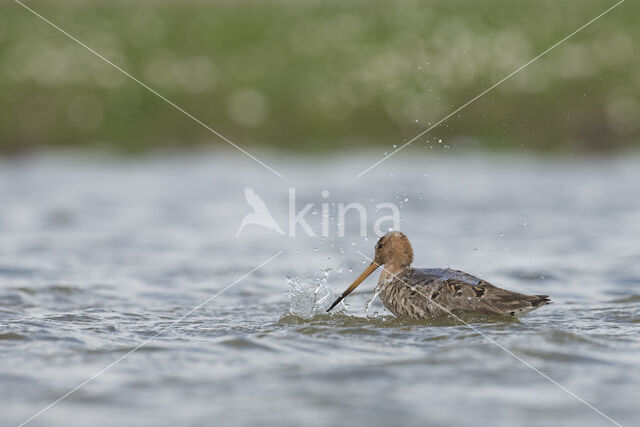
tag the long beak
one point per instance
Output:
(372, 267)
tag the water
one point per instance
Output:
(308, 299)
(98, 256)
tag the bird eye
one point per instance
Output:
(380, 245)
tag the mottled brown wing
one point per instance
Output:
(484, 298)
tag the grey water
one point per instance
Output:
(100, 255)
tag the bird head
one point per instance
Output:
(393, 249)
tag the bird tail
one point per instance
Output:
(540, 300)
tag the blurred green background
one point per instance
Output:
(318, 75)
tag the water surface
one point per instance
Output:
(97, 256)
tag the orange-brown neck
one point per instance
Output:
(394, 268)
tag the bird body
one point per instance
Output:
(428, 293)
(435, 292)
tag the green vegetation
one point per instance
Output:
(320, 74)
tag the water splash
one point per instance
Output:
(310, 298)
(370, 301)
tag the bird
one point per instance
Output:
(430, 293)
(260, 215)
